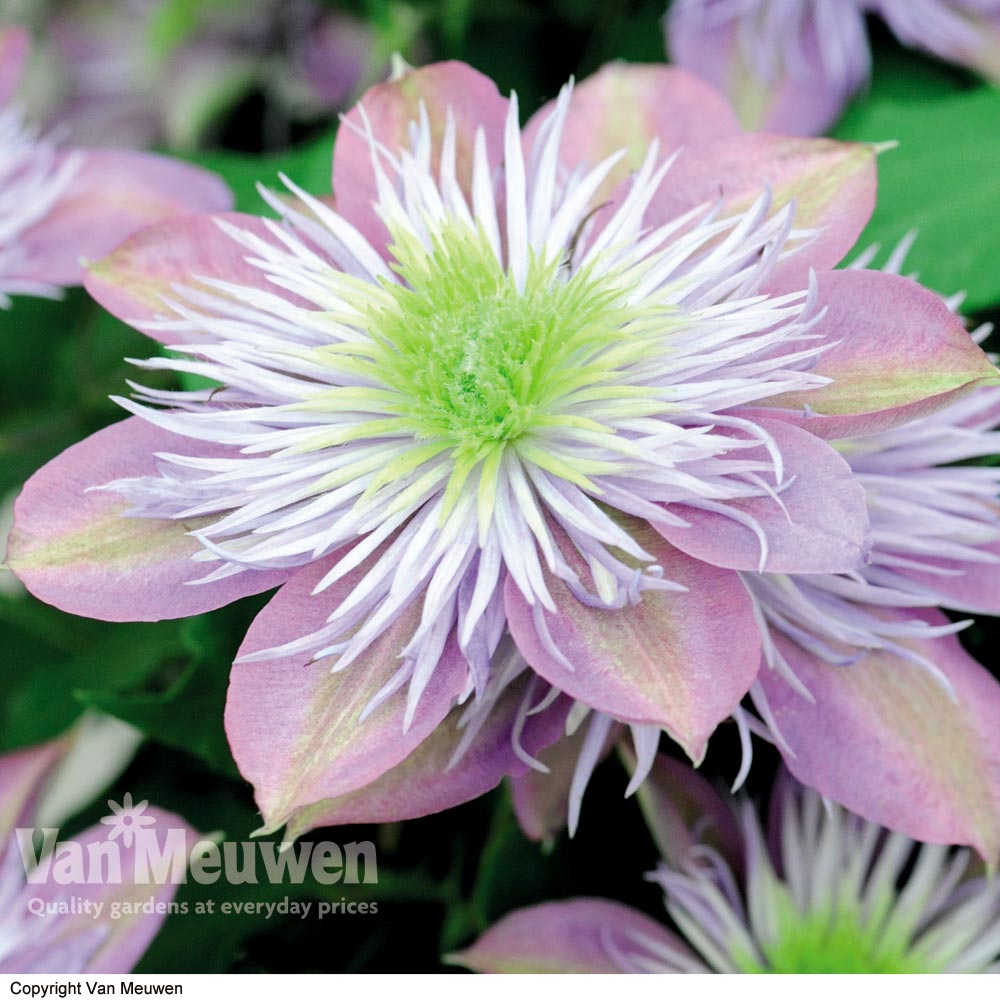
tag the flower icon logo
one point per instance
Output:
(127, 818)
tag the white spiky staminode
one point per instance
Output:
(922, 509)
(308, 479)
(645, 741)
(32, 180)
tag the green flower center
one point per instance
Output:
(831, 940)
(470, 362)
(478, 361)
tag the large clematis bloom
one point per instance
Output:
(507, 422)
(815, 890)
(59, 208)
(65, 921)
(792, 65)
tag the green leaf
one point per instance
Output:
(941, 180)
(51, 657)
(62, 360)
(186, 715)
(309, 165)
(185, 710)
(507, 850)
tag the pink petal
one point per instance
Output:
(22, 775)
(832, 184)
(682, 810)
(80, 552)
(886, 740)
(79, 942)
(132, 281)
(825, 529)
(898, 352)
(114, 194)
(441, 88)
(294, 726)
(626, 106)
(573, 936)
(681, 661)
(429, 781)
(14, 44)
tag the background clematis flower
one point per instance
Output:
(136, 73)
(819, 891)
(792, 65)
(508, 422)
(861, 666)
(845, 650)
(59, 208)
(966, 32)
(64, 932)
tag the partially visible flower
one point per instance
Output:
(59, 209)
(140, 73)
(966, 32)
(514, 416)
(331, 58)
(792, 65)
(786, 65)
(101, 748)
(820, 890)
(862, 665)
(66, 920)
(852, 655)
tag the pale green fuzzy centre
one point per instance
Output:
(473, 364)
(831, 939)
(472, 354)
(478, 361)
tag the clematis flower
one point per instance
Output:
(57, 920)
(792, 65)
(820, 891)
(507, 422)
(862, 665)
(122, 73)
(57, 208)
(966, 32)
(841, 649)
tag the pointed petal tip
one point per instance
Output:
(939, 759)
